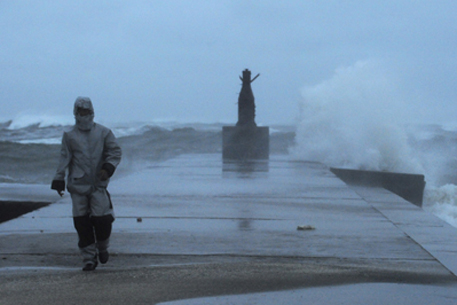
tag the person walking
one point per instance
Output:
(90, 153)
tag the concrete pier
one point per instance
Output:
(187, 229)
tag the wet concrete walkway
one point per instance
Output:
(208, 228)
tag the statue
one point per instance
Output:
(246, 141)
(246, 105)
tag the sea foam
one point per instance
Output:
(442, 201)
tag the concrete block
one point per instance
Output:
(245, 142)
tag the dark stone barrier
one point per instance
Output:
(408, 186)
(13, 209)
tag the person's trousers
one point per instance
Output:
(92, 217)
(93, 233)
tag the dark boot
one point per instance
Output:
(90, 266)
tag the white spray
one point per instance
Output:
(352, 120)
(356, 119)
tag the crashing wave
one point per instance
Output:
(39, 121)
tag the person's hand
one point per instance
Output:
(59, 186)
(103, 175)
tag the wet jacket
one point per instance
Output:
(85, 151)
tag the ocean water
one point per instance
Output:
(30, 146)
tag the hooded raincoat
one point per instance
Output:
(86, 150)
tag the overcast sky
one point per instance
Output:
(180, 60)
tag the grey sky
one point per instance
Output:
(171, 59)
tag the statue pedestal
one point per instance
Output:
(245, 142)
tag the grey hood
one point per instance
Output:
(84, 122)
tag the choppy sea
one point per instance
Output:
(29, 150)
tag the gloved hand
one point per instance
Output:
(106, 172)
(59, 186)
(103, 175)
